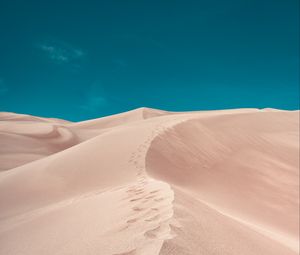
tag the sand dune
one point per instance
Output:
(151, 182)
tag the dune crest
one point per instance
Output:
(151, 182)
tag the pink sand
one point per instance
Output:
(149, 182)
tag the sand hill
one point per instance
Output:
(150, 182)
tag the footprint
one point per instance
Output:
(136, 199)
(142, 182)
(152, 233)
(132, 220)
(138, 190)
(159, 199)
(132, 252)
(132, 191)
(156, 217)
(150, 197)
(138, 209)
(123, 228)
(154, 191)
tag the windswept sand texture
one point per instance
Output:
(149, 182)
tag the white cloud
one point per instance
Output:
(60, 52)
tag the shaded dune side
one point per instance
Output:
(244, 166)
(201, 229)
(25, 142)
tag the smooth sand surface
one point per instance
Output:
(151, 182)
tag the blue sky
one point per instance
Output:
(85, 59)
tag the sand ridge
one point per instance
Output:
(153, 182)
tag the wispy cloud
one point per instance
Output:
(60, 52)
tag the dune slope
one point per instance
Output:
(25, 138)
(151, 182)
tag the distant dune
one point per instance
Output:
(151, 182)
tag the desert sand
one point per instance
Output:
(149, 182)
